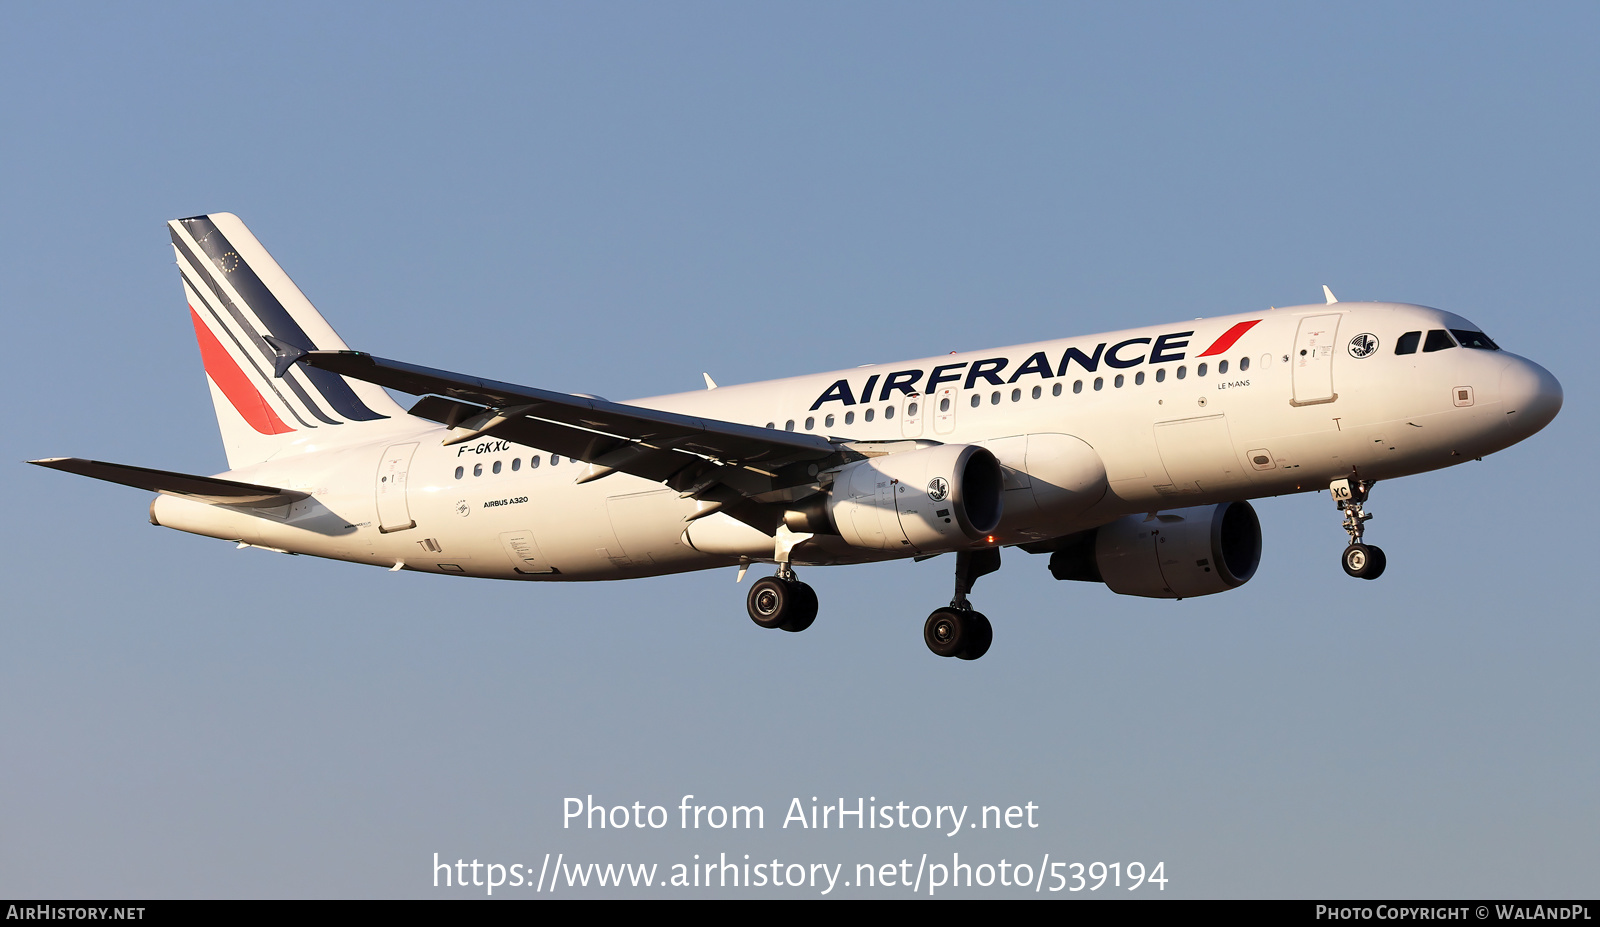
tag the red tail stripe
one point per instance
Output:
(1229, 337)
(225, 372)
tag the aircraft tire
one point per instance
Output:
(948, 631)
(804, 608)
(771, 602)
(1363, 561)
(1379, 562)
(982, 637)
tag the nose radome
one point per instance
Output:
(1532, 396)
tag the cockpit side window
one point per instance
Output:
(1438, 340)
(1408, 343)
(1474, 340)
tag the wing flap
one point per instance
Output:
(654, 459)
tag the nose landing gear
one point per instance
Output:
(957, 630)
(1363, 561)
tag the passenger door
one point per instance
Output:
(1312, 360)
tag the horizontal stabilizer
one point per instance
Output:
(207, 489)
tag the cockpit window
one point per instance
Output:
(1438, 340)
(1408, 343)
(1474, 340)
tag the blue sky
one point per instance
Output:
(613, 198)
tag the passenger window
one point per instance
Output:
(555, 459)
(849, 418)
(1222, 367)
(911, 409)
(976, 400)
(1016, 395)
(516, 464)
(477, 469)
(1099, 382)
(1244, 364)
(1161, 375)
(1477, 340)
(1183, 372)
(1138, 378)
(1408, 343)
(944, 404)
(1200, 371)
(868, 416)
(1055, 390)
(772, 424)
(1077, 386)
(533, 462)
(888, 411)
(1117, 382)
(995, 399)
(460, 472)
(497, 466)
(828, 422)
(1037, 392)
(811, 422)
(1438, 340)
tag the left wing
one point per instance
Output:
(714, 461)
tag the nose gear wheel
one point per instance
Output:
(1364, 561)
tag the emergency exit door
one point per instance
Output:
(394, 514)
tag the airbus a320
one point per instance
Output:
(1124, 458)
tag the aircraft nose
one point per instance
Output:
(1531, 395)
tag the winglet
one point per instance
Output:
(1329, 293)
(285, 354)
(710, 383)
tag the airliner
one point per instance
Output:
(1125, 458)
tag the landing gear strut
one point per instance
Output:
(957, 630)
(1363, 561)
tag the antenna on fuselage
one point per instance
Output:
(1329, 293)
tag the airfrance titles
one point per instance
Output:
(1131, 352)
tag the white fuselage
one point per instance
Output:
(1294, 402)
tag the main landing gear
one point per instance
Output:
(782, 602)
(958, 630)
(1363, 561)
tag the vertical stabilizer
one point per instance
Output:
(238, 296)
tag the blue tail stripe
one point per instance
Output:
(280, 324)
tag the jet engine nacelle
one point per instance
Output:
(930, 499)
(1170, 555)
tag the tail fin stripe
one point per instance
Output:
(219, 296)
(224, 372)
(244, 352)
(277, 320)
